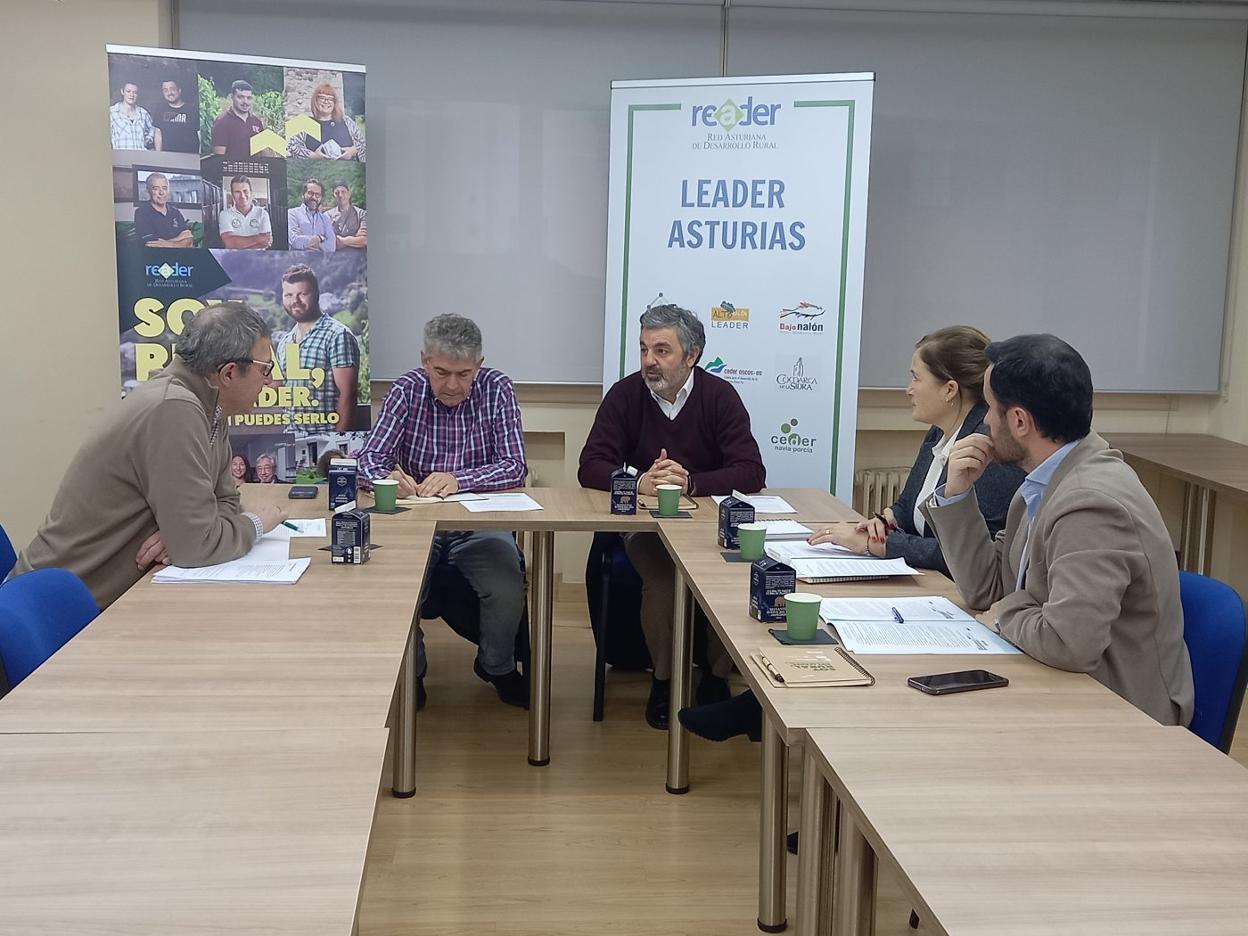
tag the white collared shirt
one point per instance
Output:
(672, 410)
(940, 458)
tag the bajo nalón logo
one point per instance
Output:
(799, 318)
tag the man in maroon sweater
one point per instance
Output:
(672, 423)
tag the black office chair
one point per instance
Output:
(452, 599)
(614, 593)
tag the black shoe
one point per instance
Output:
(659, 705)
(421, 696)
(512, 688)
(790, 842)
(712, 688)
(720, 721)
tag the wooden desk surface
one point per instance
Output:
(1037, 695)
(1033, 832)
(167, 833)
(324, 653)
(1202, 459)
(573, 509)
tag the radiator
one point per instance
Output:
(877, 488)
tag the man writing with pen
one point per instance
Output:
(453, 425)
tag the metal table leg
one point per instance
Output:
(810, 855)
(542, 595)
(682, 677)
(403, 730)
(853, 900)
(771, 831)
(1196, 537)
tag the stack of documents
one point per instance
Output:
(831, 563)
(786, 530)
(929, 624)
(245, 571)
(762, 503)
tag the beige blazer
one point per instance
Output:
(1101, 594)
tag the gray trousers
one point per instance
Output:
(490, 562)
(658, 597)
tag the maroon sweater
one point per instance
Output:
(710, 437)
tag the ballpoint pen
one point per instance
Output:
(897, 616)
(775, 673)
(290, 526)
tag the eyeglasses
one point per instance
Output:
(266, 367)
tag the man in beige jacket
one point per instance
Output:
(1083, 577)
(152, 483)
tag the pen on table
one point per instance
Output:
(897, 616)
(290, 526)
(771, 669)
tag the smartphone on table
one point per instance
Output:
(964, 681)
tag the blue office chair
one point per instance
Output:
(8, 558)
(39, 612)
(1216, 634)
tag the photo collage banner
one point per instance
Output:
(243, 178)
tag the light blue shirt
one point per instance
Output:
(1032, 492)
(1037, 480)
(304, 224)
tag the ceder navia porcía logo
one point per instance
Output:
(790, 440)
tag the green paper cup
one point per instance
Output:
(801, 615)
(750, 538)
(669, 500)
(385, 492)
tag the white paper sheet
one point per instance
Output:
(240, 571)
(762, 503)
(448, 499)
(502, 502)
(306, 528)
(944, 637)
(269, 549)
(912, 609)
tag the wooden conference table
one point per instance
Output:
(1038, 696)
(1209, 466)
(333, 651)
(173, 834)
(1035, 831)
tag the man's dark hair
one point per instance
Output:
(338, 185)
(240, 85)
(240, 180)
(317, 182)
(1048, 378)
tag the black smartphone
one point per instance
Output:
(965, 681)
(303, 491)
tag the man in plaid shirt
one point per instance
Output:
(129, 124)
(453, 425)
(320, 342)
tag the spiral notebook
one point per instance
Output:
(810, 667)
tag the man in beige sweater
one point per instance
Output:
(1083, 577)
(152, 483)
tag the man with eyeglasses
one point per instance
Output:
(152, 484)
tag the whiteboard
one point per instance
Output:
(1071, 175)
(1066, 174)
